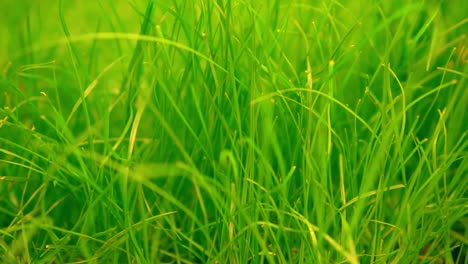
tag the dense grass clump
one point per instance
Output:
(233, 131)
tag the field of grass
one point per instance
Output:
(231, 131)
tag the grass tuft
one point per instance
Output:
(233, 132)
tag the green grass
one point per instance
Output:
(233, 131)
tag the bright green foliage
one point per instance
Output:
(232, 131)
